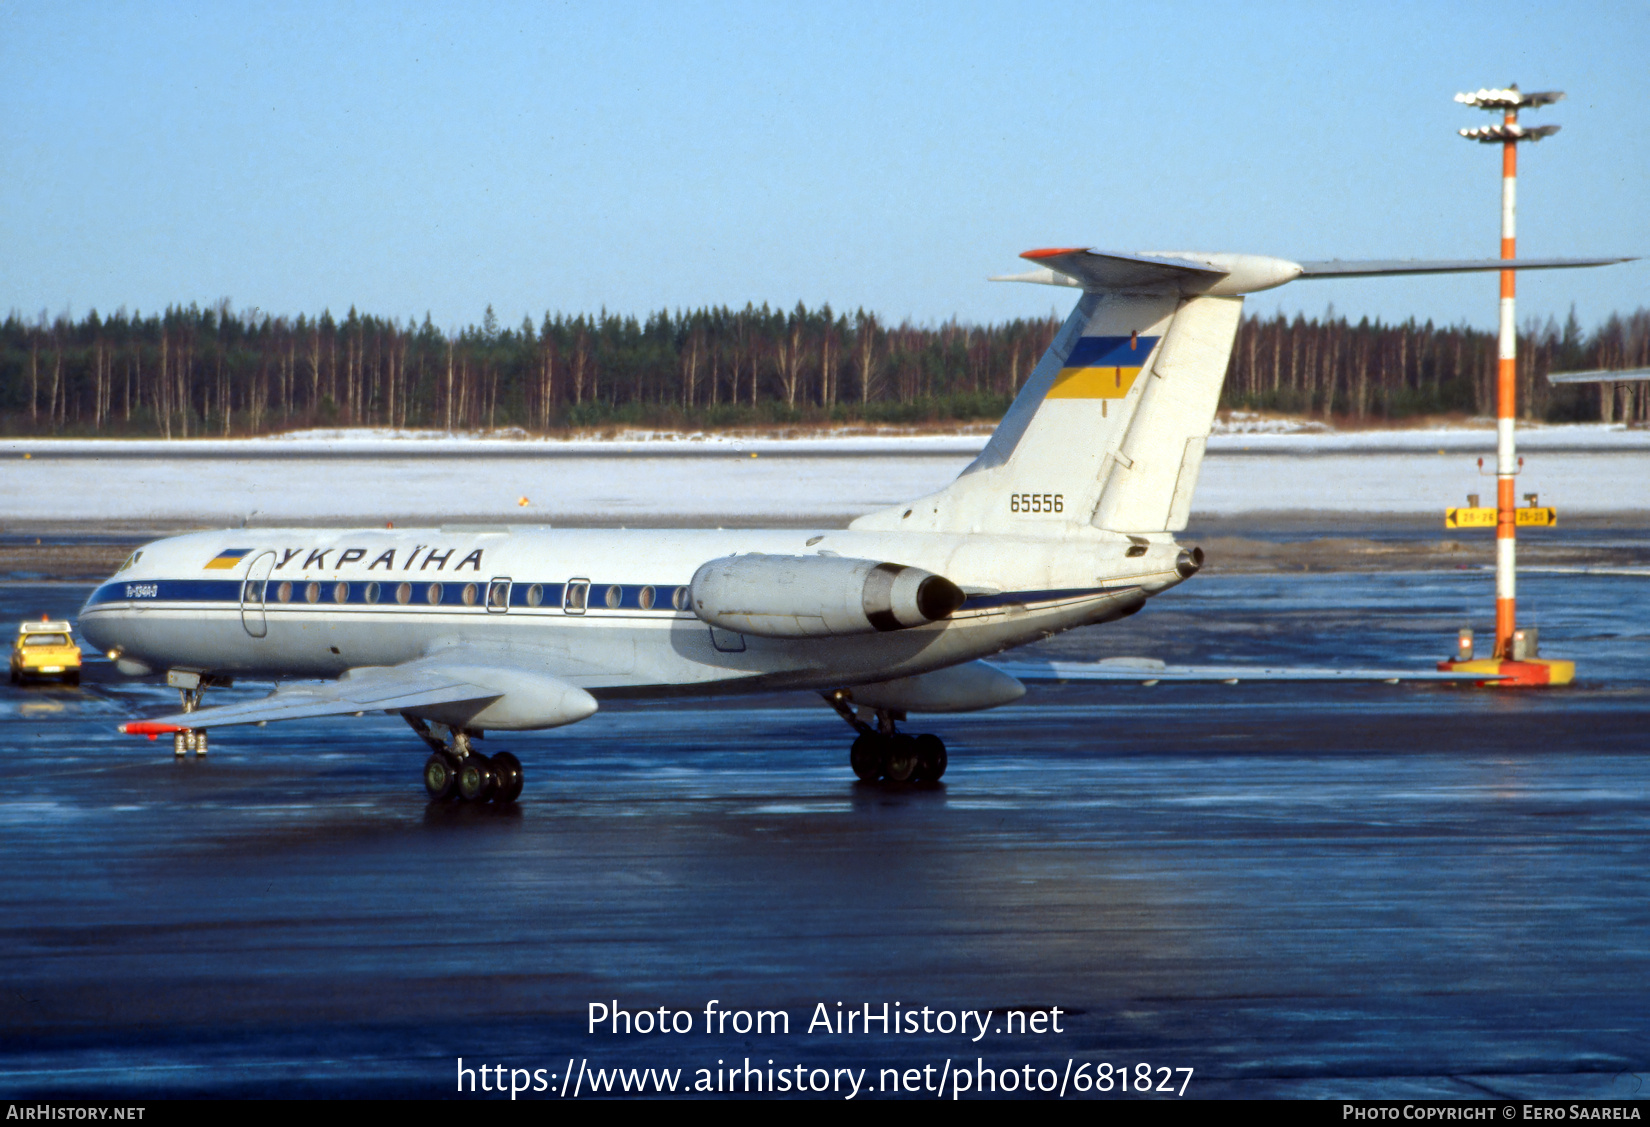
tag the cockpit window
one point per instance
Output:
(130, 561)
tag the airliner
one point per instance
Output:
(1067, 518)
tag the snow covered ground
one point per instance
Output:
(1240, 432)
(639, 479)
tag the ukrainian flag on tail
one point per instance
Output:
(227, 559)
(1102, 367)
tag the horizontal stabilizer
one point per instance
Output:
(1149, 671)
(1600, 376)
(1372, 268)
(1234, 274)
(1109, 270)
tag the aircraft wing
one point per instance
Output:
(1149, 671)
(372, 688)
(1599, 376)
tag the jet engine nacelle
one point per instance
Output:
(815, 596)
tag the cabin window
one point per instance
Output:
(535, 594)
(253, 592)
(614, 596)
(312, 592)
(283, 593)
(340, 592)
(498, 595)
(468, 594)
(403, 594)
(679, 598)
(370, 593)
(645, 598)
(432, 594)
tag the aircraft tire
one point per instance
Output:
(931, 758)
(475, 778)
(899, 759)
(508, 779)
(865, 757)
(440, 777)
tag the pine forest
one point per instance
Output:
(192, 372)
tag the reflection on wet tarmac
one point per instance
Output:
(1348, 890)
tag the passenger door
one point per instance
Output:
(252, 594)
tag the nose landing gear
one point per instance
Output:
(457, 769)
(883, 753)
(190, 686)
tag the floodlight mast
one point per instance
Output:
(1509, 133)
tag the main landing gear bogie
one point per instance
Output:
(884, 754)
(457, 770)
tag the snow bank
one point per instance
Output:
(367, 477)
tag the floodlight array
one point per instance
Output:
(1502, 132)
(1510, 98)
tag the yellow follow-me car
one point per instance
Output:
(45, 649)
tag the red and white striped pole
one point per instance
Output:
(1509, 133)
(1506, 403)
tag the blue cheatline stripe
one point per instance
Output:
(1010, 598)
(452, 594)
(550, 595)
(449, 593)
(1110, 352)
(169, 591)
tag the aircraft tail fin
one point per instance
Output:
(1109, 429)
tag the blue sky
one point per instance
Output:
(407, 158)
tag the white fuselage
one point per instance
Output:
(270, 604)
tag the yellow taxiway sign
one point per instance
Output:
(1528, 516)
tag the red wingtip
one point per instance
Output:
(1051, 252)
(148, 728)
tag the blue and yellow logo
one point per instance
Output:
(1102, 367)
(227, 559)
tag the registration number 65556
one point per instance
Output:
(1036, 502)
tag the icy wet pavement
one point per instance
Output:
(1295, 890)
